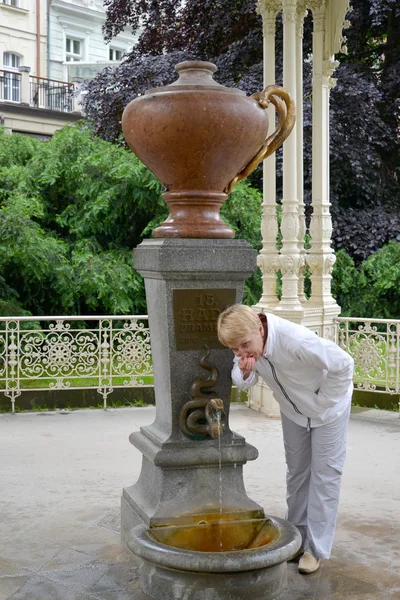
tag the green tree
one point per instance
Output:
(242, 211)
(373, 290)
(71, 211)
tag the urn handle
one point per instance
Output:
(285, 106)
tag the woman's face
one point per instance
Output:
(251, 345)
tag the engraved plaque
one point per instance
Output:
(195, 316)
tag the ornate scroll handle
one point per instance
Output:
(285, 106)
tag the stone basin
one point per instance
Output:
(250, 566)
(218, 536)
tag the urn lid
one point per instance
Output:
(196, 75)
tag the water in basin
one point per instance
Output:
(218, 536)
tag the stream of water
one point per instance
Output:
(220, 478)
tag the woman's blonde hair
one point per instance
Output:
(235, 322)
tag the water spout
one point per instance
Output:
(214, 412)
(203, 415)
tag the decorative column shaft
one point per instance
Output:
(301, 13)
(321, 257)
(290, 259)
(267, 260)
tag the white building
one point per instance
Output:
(23, 35)
(26, 95)
(46, 47)
(76, 48)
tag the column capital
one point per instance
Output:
(268, 9)
(318, 9)
(328, 68)
(316, 5)
(301, 13)
(289, 14)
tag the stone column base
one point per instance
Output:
(262, 400)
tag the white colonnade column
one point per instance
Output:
(290, 258)
(267, 260)
(260, 396)
(321, 257)
(320, 311)
(300, 15)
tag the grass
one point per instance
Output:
(380, 401)
(139, 402)
(74, 382)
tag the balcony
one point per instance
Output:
(10, 86)
(51, 94)
(19, 87)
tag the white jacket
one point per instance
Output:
(310, 377)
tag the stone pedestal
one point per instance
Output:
(180, 477)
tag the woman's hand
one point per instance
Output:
(247, 366)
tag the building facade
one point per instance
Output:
(76, 48)
(46, 48)
(23, 35)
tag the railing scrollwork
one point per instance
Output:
(374, 345)
(103, 353)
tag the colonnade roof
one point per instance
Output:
(335, 22)
(334, 12)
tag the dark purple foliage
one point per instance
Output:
(377, 225)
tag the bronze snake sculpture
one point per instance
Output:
(199, 417)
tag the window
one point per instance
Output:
(11, 81)
(11, 2)
(115, 54)
(73, 50)
(11, 60)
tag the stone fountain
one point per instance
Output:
(188, 517)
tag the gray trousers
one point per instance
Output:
(315, 462)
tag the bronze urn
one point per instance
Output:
(200, 138)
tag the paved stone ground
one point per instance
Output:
(60, 484)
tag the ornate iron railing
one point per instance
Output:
(51, 94)
(10, 85)
(103, 353)
(374, 344)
